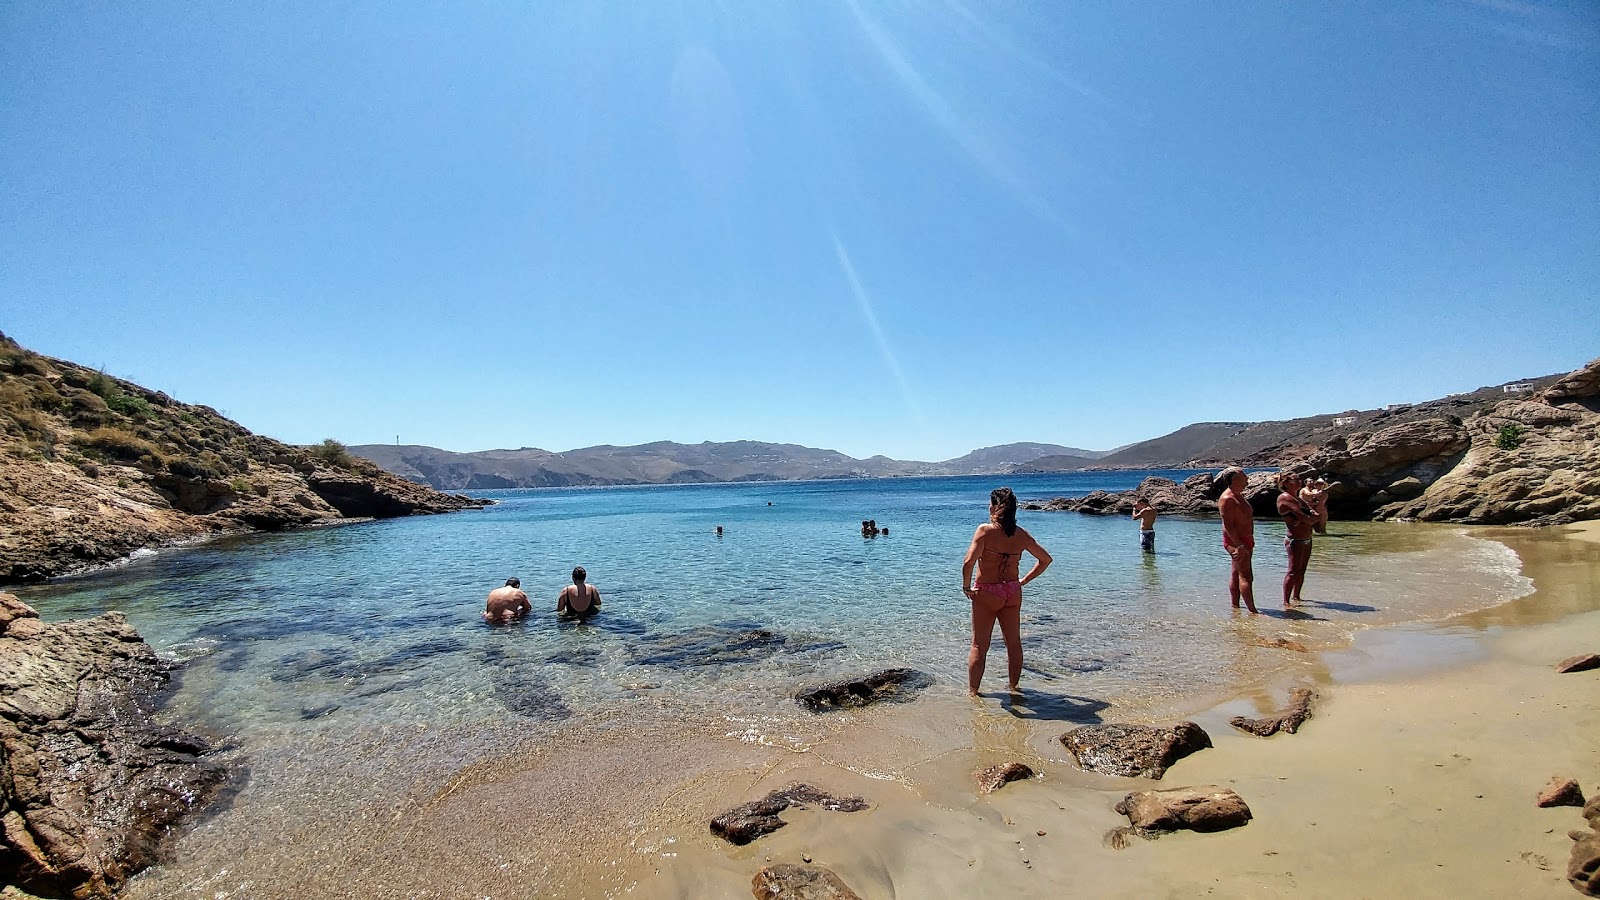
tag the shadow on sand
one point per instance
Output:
(1032, 704)
(1295, 614)
(1338, 606)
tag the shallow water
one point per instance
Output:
(348, 668)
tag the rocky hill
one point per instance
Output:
(1531, 459)
(1207, 444)
(93, 467)
(665, 462)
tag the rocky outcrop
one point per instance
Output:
(888, 684)
(746, 822)
(1288, 721)
(1583, 867)
(1205, 808)
(93, 468)
(995, 777)
(1133, 751)
(1195, 495)
(90, 786)
(1534, 461)
(789, 881)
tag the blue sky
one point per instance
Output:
(912, 229)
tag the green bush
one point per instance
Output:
(127, 404)
(333, 453)
(102, 385)
(1510, 436)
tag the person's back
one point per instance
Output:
(579, 599)
(506, 603)
(1146, 514)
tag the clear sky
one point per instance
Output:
(912, 229)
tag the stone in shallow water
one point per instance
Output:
(888, 684)
(527, 693)
(788, 881)
(1133, 750)
(748, 821)
(1288, 721)
(711, 646)
(1204, 808)
(995, 777)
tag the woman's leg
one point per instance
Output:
(1011, 629)
(984, 607)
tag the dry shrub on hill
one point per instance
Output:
(120, 445)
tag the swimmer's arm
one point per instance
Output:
(523, 606)
(595, 603)
(1041, 558)
(561, 601)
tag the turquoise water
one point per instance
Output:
(380, 620)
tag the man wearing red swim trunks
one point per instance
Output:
(1301, 519)
(1238, 536)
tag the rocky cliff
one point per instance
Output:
(1533, 460)
(90, 786)
(94, 467)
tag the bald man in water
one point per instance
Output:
(507, 603)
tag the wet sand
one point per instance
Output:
(1417, 776)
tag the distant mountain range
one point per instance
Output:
(1203, 444)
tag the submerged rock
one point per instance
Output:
(717, 645)
(1133, 751)
(526, 692)
(888, 684)
(788, 881)
(995, 777)
(90, 787)
(746, 822)
(1288, 721)
(1204, 808)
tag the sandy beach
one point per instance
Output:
(1416, 777)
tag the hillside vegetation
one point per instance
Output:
(93, 467)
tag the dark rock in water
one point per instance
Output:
(889, 684)
(1581, 663)
(996, 777)
(577, 656)
(712, 646)
(529, 694)
(1133, 751)
(1288, 721)
(1204, 808)
(790, 881)
(1560, 792)
(90, 788)
(317, 712)
(746, 822)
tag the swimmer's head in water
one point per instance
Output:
(514, 582)
(578, 574)
(1003, 509)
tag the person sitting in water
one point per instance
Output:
(869, 527)
(578, 600)
(507, 603)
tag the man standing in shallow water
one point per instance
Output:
(507, 603)
(1146, 514)
(1238, 536)
(1300, 519)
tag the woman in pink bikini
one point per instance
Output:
(996, 550)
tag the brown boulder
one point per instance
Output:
(1578, 385)
(1560, 792)
(1204, 808)
(746, 822)
(789, 881)
(90, 788)
(1583, 867)
(1288, 721)
(996, 777)
(1133, 751)
(1580, 663)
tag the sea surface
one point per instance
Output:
(310, 654)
